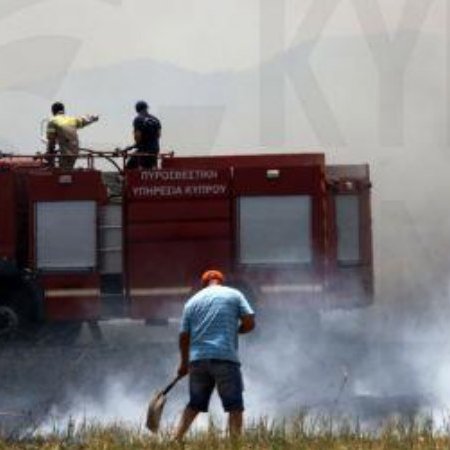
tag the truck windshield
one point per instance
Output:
(275, 229)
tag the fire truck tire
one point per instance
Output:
(9, 321)
(19, 309)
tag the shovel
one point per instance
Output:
(156, 406)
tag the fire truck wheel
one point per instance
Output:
(18, 308)
(9, 321)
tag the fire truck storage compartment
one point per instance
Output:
(66, 235)
(275, 229)
(64, 211)
(351, 276)
(280, 221)
(178, 224)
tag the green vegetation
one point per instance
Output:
(300, 434)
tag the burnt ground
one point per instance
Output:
(45, 384)
(42, 380)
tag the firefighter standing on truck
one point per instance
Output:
(63, 130)
(147, 132)
(212, 320)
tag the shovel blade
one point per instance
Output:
(154, 412)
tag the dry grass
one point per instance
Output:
(301, 433)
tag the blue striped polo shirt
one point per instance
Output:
(211, 317)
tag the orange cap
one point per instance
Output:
(212, 275)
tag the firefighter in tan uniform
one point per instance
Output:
(63, 130)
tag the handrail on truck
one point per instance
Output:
(90, 155)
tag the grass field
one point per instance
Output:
(301, 433)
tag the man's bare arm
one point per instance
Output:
(84, 121)
(51, 143)
(184, 342)
(51, 149)
(137, 137)
(247, 324)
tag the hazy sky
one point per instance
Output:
(48, 48)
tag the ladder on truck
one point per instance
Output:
(111, 249)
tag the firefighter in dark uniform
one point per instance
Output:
(147, 131)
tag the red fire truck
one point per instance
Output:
(86, 245)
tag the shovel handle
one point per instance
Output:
(170, 386)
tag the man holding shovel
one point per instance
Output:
(211, 322)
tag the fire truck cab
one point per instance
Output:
(86, 245)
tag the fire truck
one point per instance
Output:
(87, 245)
